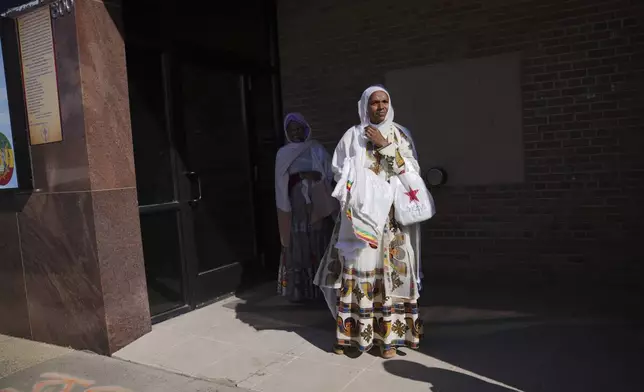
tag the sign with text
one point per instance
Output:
(39, 76)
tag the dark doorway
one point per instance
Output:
(161, 209)
(205, 124)
(211, 109)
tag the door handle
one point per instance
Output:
(194, 175)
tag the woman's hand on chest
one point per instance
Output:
(375, 137)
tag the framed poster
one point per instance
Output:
(15, 152)
(38, 60)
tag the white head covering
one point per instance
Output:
(298, 118)
(363, 110)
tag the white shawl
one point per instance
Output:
(289, 153)
(283, 161)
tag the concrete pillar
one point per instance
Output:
(71, 262)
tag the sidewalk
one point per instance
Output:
(27, 366)
(260, 342)
(263, 343)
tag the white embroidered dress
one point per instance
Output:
(373, 296)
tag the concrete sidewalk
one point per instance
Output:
(29, 366)
(263, 343)
(260, 342)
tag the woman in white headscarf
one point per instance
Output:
(303, 178)
(373, 295)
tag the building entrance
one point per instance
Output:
(205, 125)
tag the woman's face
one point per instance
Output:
(296, 132)
(378, 107)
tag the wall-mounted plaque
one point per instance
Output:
(39, 76)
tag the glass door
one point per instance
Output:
(211, 109)
(205, 106)
(162, 211)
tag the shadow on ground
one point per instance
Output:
(551, 342)
(556, 355)
(440, 380)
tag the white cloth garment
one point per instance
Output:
(287, 155)
(354, 146)
(384, 128)
(312, 154)
(366, 199)
(414, 230)
(373, 199)
(348, 244)
(354, 142)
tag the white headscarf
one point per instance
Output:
(385, 126)
(298, 118)
(363, 110)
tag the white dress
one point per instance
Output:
(376, 292)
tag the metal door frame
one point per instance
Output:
(180, 204)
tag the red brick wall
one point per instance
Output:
(579, 214)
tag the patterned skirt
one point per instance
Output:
(374, 296)
(366, 317)
(299, 262)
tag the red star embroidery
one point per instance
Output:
(412, 195)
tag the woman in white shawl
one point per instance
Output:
(303, 178)
(379, 288)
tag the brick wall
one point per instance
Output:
(579, 214)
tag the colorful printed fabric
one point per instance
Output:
(300, 260)
(367, 318)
